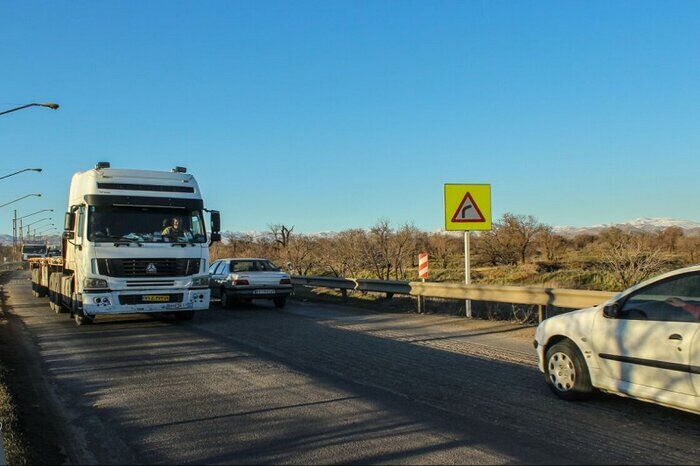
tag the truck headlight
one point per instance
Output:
(94, 283)
(200, 282)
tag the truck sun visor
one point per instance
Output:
(176, 203)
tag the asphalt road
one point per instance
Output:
(322, 384)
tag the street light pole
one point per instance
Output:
(20, 198)
(50, 105)
(21, 171)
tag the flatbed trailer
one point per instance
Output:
(48, 279)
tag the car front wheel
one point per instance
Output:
(567, 372)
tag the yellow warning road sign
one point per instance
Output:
(467, 207)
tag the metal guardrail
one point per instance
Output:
(540, 296)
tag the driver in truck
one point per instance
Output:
(175, 230)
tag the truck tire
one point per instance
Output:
(183, 315)
(83, 319)
(566, 371)
(280, 302)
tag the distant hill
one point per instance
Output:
(649, 225)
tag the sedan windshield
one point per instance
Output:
(145, 224)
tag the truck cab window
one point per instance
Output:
(145, 224)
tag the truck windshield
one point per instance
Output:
(34, 249)
(145, 224)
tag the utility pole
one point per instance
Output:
(14, 235)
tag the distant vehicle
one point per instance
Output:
(31, 250)
(644, 343)
(243, 279)
(53, 251)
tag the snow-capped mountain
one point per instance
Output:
(644, 224)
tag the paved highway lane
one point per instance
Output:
(322, 384)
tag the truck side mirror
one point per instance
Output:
(69, 222)
(215, 221)
(215, 226)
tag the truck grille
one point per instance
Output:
(138, 299)
(147, 267)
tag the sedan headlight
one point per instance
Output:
(94, 283)
(202, 281)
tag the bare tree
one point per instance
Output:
(517, 232)
(630, 261)
(281, 234)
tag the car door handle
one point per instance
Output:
(676, 337)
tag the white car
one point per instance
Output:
(644, 343)
(243, 279)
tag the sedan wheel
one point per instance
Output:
(567, 371)
(562, 372)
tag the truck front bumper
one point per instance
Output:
(134, 302)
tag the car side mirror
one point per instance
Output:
(612, 310)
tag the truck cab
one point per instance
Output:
(32, 250)
(135, 241)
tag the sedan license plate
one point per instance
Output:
(156, 298)
(263, 291)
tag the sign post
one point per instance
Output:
(467, 209)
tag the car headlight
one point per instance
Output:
(202, 281)
(94, 283)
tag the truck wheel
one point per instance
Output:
(83, 320)
(226, 300)
(567, 372)
(183, 315)
(280, 302)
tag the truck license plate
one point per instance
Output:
(156, 298)
(263, 291)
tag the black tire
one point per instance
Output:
(280, 302)
(566, 372)
(226, 300)
(183, 315)
(83, 319)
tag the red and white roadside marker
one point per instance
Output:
(423, 265)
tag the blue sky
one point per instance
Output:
(328, 115)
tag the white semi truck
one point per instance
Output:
(134, 242)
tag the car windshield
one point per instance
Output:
(253, 266)
(34, 249)
(145, 224)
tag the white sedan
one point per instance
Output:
(644, 343)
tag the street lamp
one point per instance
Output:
(34, 213)
(51, 227)
(50, 105)
(21, 171)
(20, 198)
(38, 221)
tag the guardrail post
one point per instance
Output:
(540, 313)
(344, 294)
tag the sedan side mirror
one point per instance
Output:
(612, 310)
